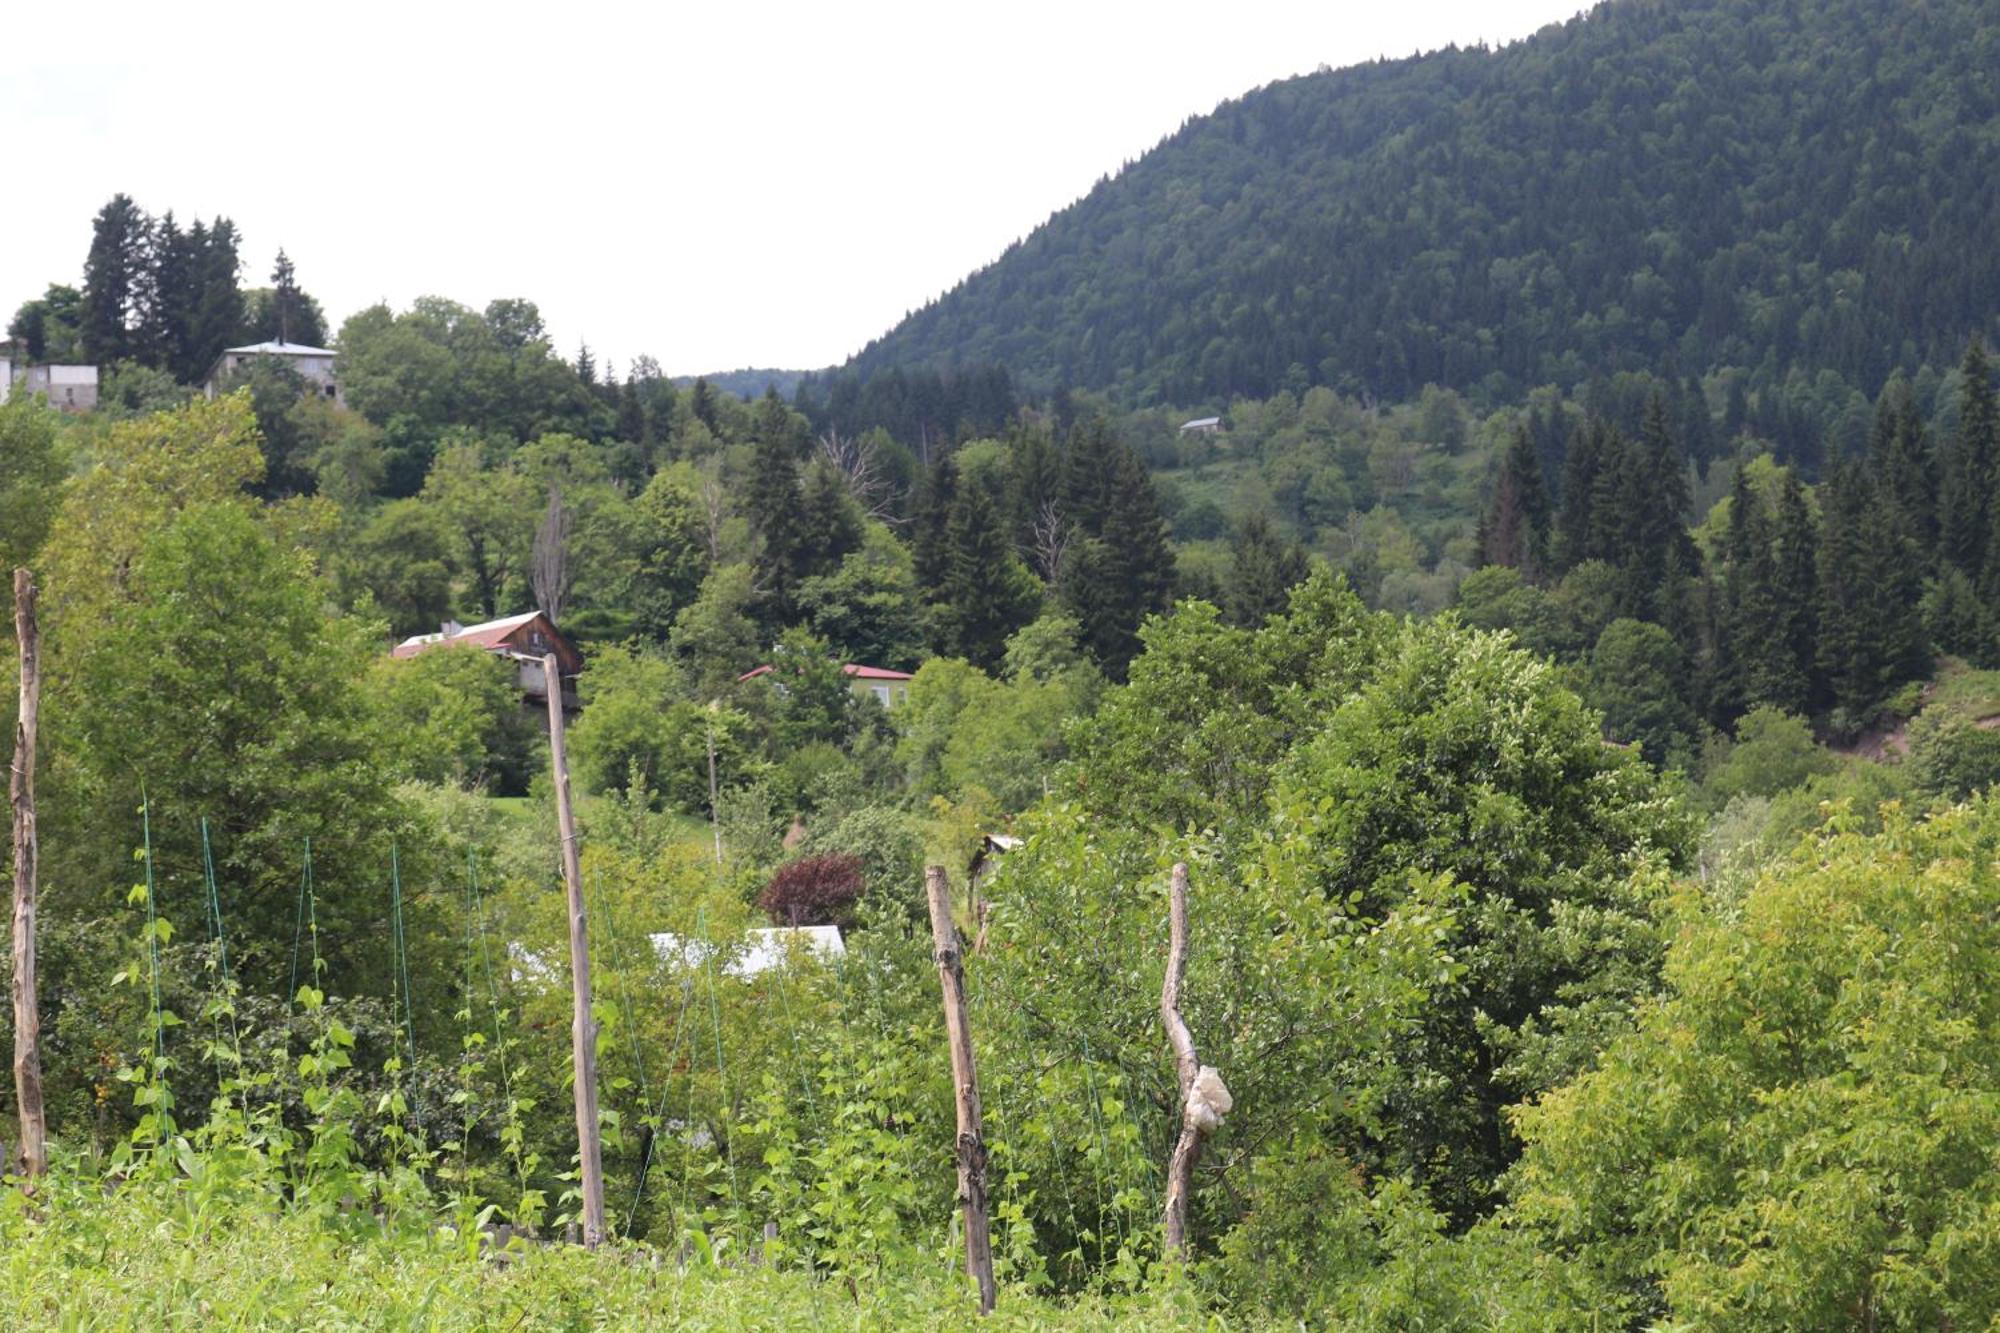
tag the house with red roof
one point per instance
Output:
(524, 639)
(889, 688)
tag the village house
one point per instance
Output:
(1202, 426)
(523, 639)
(889, 688)
(69, 388)
(313, 364)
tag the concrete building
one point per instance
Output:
(313, 364)
(70, 388)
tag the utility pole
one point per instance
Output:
(21, 794)
(583, 1028)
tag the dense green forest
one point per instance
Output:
(1575, 697)
(1713, 187)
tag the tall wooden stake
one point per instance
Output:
(21, 793)
(583, 1028)
(965, 1083)
(1204, 1099)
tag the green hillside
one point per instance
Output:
(1799, 190)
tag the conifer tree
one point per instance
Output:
(1514, 529)
(1967, 494)
(217, 313)
(930, 517)
(1085, 487)
(176, 280)
(1135, 565)
(288, 304)
(1263, 568)
(1871, 634)
(632, 417)
(1905, 473)
(117, 276)
(586, 364)
(701, 402)
(829, 522)
(985, 595)
(1775, 585)
(774, 505)
(1582, 466)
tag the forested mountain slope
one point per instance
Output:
(1789, 188)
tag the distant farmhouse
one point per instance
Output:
(523, 639)
(889, 687)
(1202, 426)
(70, 388)
(313, 364)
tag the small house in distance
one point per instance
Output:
(313, 364)
(69, 388)
(1202, 426)
(524, 639)
(889, 687)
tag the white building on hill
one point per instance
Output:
(313, 364)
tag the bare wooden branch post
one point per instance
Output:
(965, 1083)
(21, 793)
(583, 1028)
(1204, 1099)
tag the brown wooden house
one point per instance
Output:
(524, 639)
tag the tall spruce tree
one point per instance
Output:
(1870, 631)
(1085, 486)
(295, 315)
(1967, 495)
(217, 314)
(1583, 472)
(176, 258)
(117, 282)
(774, 504)
(930, 517)
(1774, 583)
(1905, 472)
(829, 522)
(985, 594)
(1264, 566)
(1514, 529)
(1137, 564)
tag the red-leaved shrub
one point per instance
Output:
(814, 891)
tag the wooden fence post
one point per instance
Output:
(1204, 1099)
(965, 1084)
(583, 1027)
(21, 794)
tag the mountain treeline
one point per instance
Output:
(1800, 194)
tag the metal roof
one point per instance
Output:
(278, 349)
(853, 669)
(486, 634)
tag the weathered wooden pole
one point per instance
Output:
(21, 793)
(965, 1084)
(583, 1028)
(1204, 1099)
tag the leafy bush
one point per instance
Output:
(1799, 1135)
(1951, 755)
(814, 891)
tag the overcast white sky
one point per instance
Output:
(717, 185)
